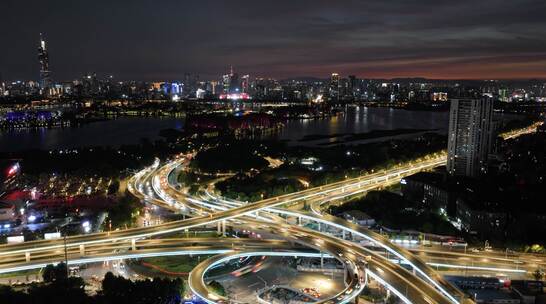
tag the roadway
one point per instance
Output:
(29, 249)
(433, 285)
(420, 286)
(354, 186)
(36, 251)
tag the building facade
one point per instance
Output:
(43, 57)
(470, 136)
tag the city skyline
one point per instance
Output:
(303, 151)
(464, 40)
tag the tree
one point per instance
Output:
(70, 290)
(538, 274)
(8, 295)
(124, 211)
(392, 299)
(217, 288)
(53, 273)
(225, 158)
(114, 187)
(116, 289)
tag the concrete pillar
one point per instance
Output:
(133, 244)
(224, 227)
(27, 256)
(299, 220)
(219, 227)
(319, 226)
(321, 260)
(82, 250)
(343, 234)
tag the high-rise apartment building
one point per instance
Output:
(470, 136)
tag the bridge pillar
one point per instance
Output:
(27, 256)
(82, 250)
(321, 260)
(343, 234)
(299, 220)
(219, 227)
(133, 244)
(224, 227)
(319, 226)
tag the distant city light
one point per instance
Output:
(235, 96)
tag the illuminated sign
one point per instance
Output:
(16, 239)
(52, 236)
(235, 96)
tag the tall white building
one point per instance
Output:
(470, 136)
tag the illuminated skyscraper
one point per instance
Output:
(43, 57)
(470, 136)
(334, 86)
(245, 83)
(231, 82)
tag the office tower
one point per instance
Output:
(245, 83)
(235, 84)
(334, 86)
(212, 87)
(226, 81)
(470, 136)
(231, 82)
(43, 57)
(353, 85)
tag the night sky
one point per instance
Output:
(162, 40)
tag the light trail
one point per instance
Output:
(400, 276)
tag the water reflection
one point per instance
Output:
(131, 130)
(361, 120)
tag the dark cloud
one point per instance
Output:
(164, 39)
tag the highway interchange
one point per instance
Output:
(403, 272)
